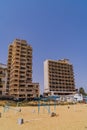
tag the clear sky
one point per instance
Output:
(56, 29)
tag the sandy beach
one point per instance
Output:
(72, 117)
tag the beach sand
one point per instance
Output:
(72, 117)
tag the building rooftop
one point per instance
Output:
(66, 61)
(3, 65)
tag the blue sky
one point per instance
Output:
(56, 29)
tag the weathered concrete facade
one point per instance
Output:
(3, 79)
(20, 71)
(59, 77)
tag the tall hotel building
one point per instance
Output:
(59, 77)
(20, 71)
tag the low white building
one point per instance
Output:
(78, 97)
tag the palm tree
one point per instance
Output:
(82, 91)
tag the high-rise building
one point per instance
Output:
(59, 77)
(20, 71)
(3, 79)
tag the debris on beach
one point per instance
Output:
(53, 114)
